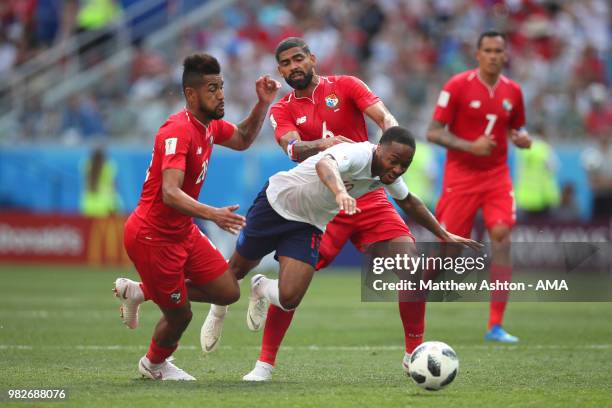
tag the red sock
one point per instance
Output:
(277, 323)
(413, 320)
(145, 292)
(499, 298)
(158, 354)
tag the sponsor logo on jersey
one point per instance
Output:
(331, 101)
(175, 297)
(507, 105)
(475, 104)
(300, 120)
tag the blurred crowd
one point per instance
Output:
(404, 49)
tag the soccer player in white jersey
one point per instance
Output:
(291, 212)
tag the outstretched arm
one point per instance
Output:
(173, 196)
(299, 150)
(249, 128)
(379, 113)
(415, 209)
(327, 170)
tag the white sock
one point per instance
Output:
(220, 311)
(268, 288)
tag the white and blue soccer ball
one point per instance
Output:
(433, 365)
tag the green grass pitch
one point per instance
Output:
(59, 328)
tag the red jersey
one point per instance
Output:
(335, 108)
(183, 143)
(471, 108)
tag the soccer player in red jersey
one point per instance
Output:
(323, 111)
(176, 262)
(477, 111)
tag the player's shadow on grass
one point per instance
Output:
(246, 385)
(152, 384)
(420, 393)
(217, 383)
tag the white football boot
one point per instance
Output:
(261, 372)
(165, 371)
(258, 305)
(210, 334)
(130, 295)
(406, 363)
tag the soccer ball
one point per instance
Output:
(433, 365)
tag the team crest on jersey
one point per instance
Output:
(176, 297)
(331, 101)
(506, 105)
(300, 120)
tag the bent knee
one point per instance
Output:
(290, 302)
(500, 233)
(238, 269)
(181, 319)
(230, 297)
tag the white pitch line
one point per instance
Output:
(118, 347)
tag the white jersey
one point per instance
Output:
(300, 195)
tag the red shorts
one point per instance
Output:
(458, 206)
(378, 221)
(164, 265)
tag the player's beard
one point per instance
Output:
(213, 114)
(301, 83)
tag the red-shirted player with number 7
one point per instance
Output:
(476, 113)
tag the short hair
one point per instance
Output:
(398, 134)
(291, 42)
(490, 34)
(196, 66)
